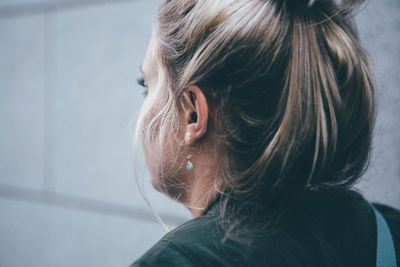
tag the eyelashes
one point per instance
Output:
(140, 81)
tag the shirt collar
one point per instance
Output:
(213, 207)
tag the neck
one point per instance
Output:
(202, 191)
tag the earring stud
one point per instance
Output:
(187, 137)
(189, 165)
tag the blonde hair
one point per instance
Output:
(291, 88)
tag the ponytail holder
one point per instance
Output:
(294, 4)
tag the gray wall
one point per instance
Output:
(68, 103)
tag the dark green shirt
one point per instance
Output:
(335, 230)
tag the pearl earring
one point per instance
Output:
(189, 165)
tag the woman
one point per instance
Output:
(259, 119)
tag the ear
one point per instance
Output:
(196, 114)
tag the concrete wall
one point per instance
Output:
(68, 103)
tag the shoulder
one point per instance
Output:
(201, 242)
(165, 253)
(318, 229)
(183, 245)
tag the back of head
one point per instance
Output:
(290, 85)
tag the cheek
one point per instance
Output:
(149, 148)
(167, 173)
(152, 163)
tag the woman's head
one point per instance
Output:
(288, 91)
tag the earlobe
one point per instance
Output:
(197, 116)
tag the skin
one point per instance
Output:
(199, 191)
